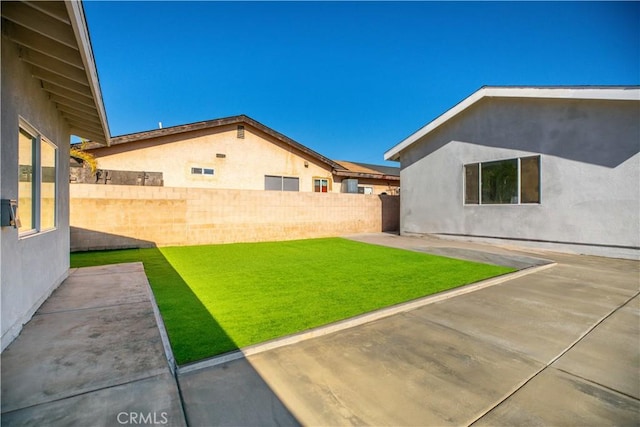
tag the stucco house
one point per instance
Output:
(50, 90)
(237, 153)
(553, 167)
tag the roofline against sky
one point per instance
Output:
(78, 22)
(625, 93)
(208, 124)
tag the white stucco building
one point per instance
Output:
(50, 90)
(553, 167)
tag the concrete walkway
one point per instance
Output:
(556, 347)
(91, 356)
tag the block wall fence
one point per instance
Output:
(118, 216)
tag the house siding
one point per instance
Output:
(245, 163)
(32, 267)
(590, 200)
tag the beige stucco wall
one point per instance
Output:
(244, 166)
(116, 216)
(31, 266)
(380, 186)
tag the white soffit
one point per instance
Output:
(53, 38)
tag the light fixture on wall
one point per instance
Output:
(306, 164)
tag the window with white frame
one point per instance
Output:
(202, 171)
(320, 185)
(281, 183)
(503, 182)
(37, 166)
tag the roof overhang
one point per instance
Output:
(351, 174)
(210, 124)
(581, 92)
(53, 39)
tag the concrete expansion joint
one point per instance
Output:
(99, 307)
(596, 383)
(552, 361)
(152, 374)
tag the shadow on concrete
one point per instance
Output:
(83, 239)
(195, 334)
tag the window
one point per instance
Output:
(47, 185)
(37, 201)
(503, 182)
(281, 183)
(472, 184)
(499, 182)
(240, 134)
(530, 179)
(26, 187)
(202, 171)
(320, 185)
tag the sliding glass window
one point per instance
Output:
(503, 182)
(37, 170)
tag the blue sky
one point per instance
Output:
(347, 79)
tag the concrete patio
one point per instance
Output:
(556, 347)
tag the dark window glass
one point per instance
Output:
(196, 171)
(207, 171)
(471, 182)
(500, 182)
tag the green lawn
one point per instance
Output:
(218, 298)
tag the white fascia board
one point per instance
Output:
(79, 25)
(603, 93)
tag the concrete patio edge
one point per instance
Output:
(357, 320)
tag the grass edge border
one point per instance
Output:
(351, 322)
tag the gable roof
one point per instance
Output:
(212, 124)
(54, 40)
(627, 93)
(366, 170)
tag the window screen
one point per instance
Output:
(26, 188)
(281, 183)
(530, 179)
(290, 184)
(47, 185)
(273, 183)
(471, 184)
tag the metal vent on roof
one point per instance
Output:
(240, 131)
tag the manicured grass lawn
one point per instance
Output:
(218, 298)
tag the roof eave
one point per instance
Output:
(350, 174)
(81, 32)
(208, 124)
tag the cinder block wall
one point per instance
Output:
(111, 217)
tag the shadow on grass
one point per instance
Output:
(231, 386)
(181, 310)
